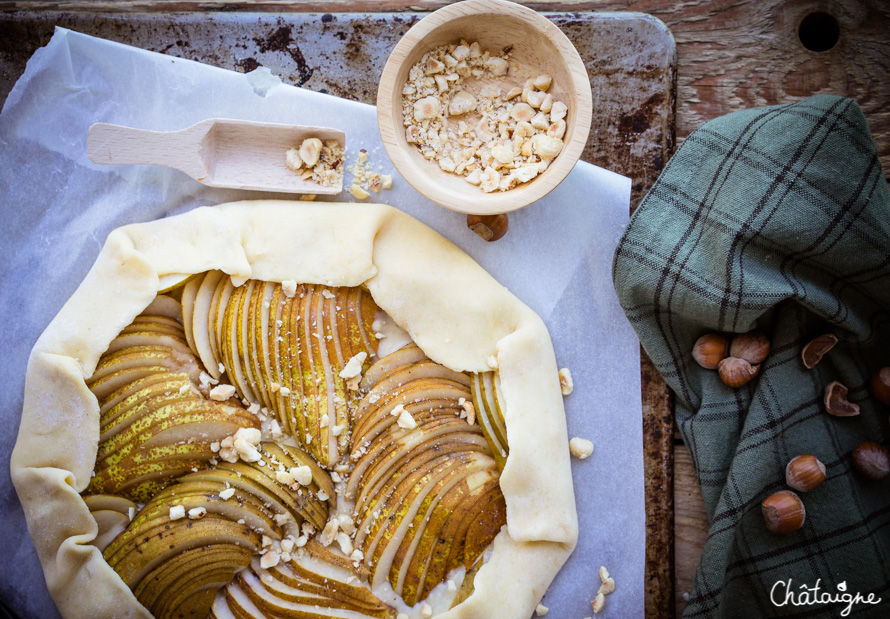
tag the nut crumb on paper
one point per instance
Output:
(566, 384)
(541, 610)
(581, 448)
(365, 179)
(466, 109)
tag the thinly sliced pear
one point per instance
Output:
(291, 502)
(405, 499)
(417, 371)
(379, 416)
(187, 307)
(286, 363)
(361, 309)
(110, 524)
(305, 342)
(442, 436)
(136, 356)
(160, 588)
(110, 383)
(128, 389)
(193, 493)
(138, 554)
(486, 420)
(167, 324)
(166, 306)
(258, 325)
(142, 402)
(432, 510)
(406, 355)
(147, 337)
(490, 382)
(202, 319)
(327, 407)
(292, 456)
(444, 530)
(229, 342)
(187, 411)
(242, 335)
(225, 289)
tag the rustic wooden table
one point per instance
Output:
(730, 55)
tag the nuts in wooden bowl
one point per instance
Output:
(521, 54)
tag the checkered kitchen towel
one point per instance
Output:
(775, 218)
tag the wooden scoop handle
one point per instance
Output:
(114, 144)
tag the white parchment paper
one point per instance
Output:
(58, 207)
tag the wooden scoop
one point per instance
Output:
(236, 154)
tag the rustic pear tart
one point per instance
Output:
(280, 409)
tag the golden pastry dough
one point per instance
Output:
(455, 311)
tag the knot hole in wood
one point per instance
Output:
(819, 31)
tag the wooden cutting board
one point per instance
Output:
(630, 59)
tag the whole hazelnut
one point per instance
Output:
(735, 372)
(710, 349)
(813, 352)
(783, 512)
(804, 472)
(871, 459)
(880, 385)
(489, 227)
(752, 346)
(836, 401)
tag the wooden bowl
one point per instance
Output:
(538, 47)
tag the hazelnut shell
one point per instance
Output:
(783, 512)
(710, 349)
(752, 346)
(804, 473)
(836, 401)
(489, 227)
(871, 459)
(816, 348)
(880, 385)
(735, 372)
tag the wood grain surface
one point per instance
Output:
(731, 55)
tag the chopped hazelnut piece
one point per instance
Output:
(581, 448)
(566, 384)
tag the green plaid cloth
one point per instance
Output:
(774, 218)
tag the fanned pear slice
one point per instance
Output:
(112, 515)
(134, 356)
(406, 448)
(128, 389)
(432, 510)
(379, 415)
(314, 581)
(487, 417)
(148, 337)
(187, 309)
(134, 559)
(177, 387)
(166, 588)
(191, 417)
(201, 321)
(165, 306)
(406, 355)
(440, 552)
(404, 499)
(110, 383)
